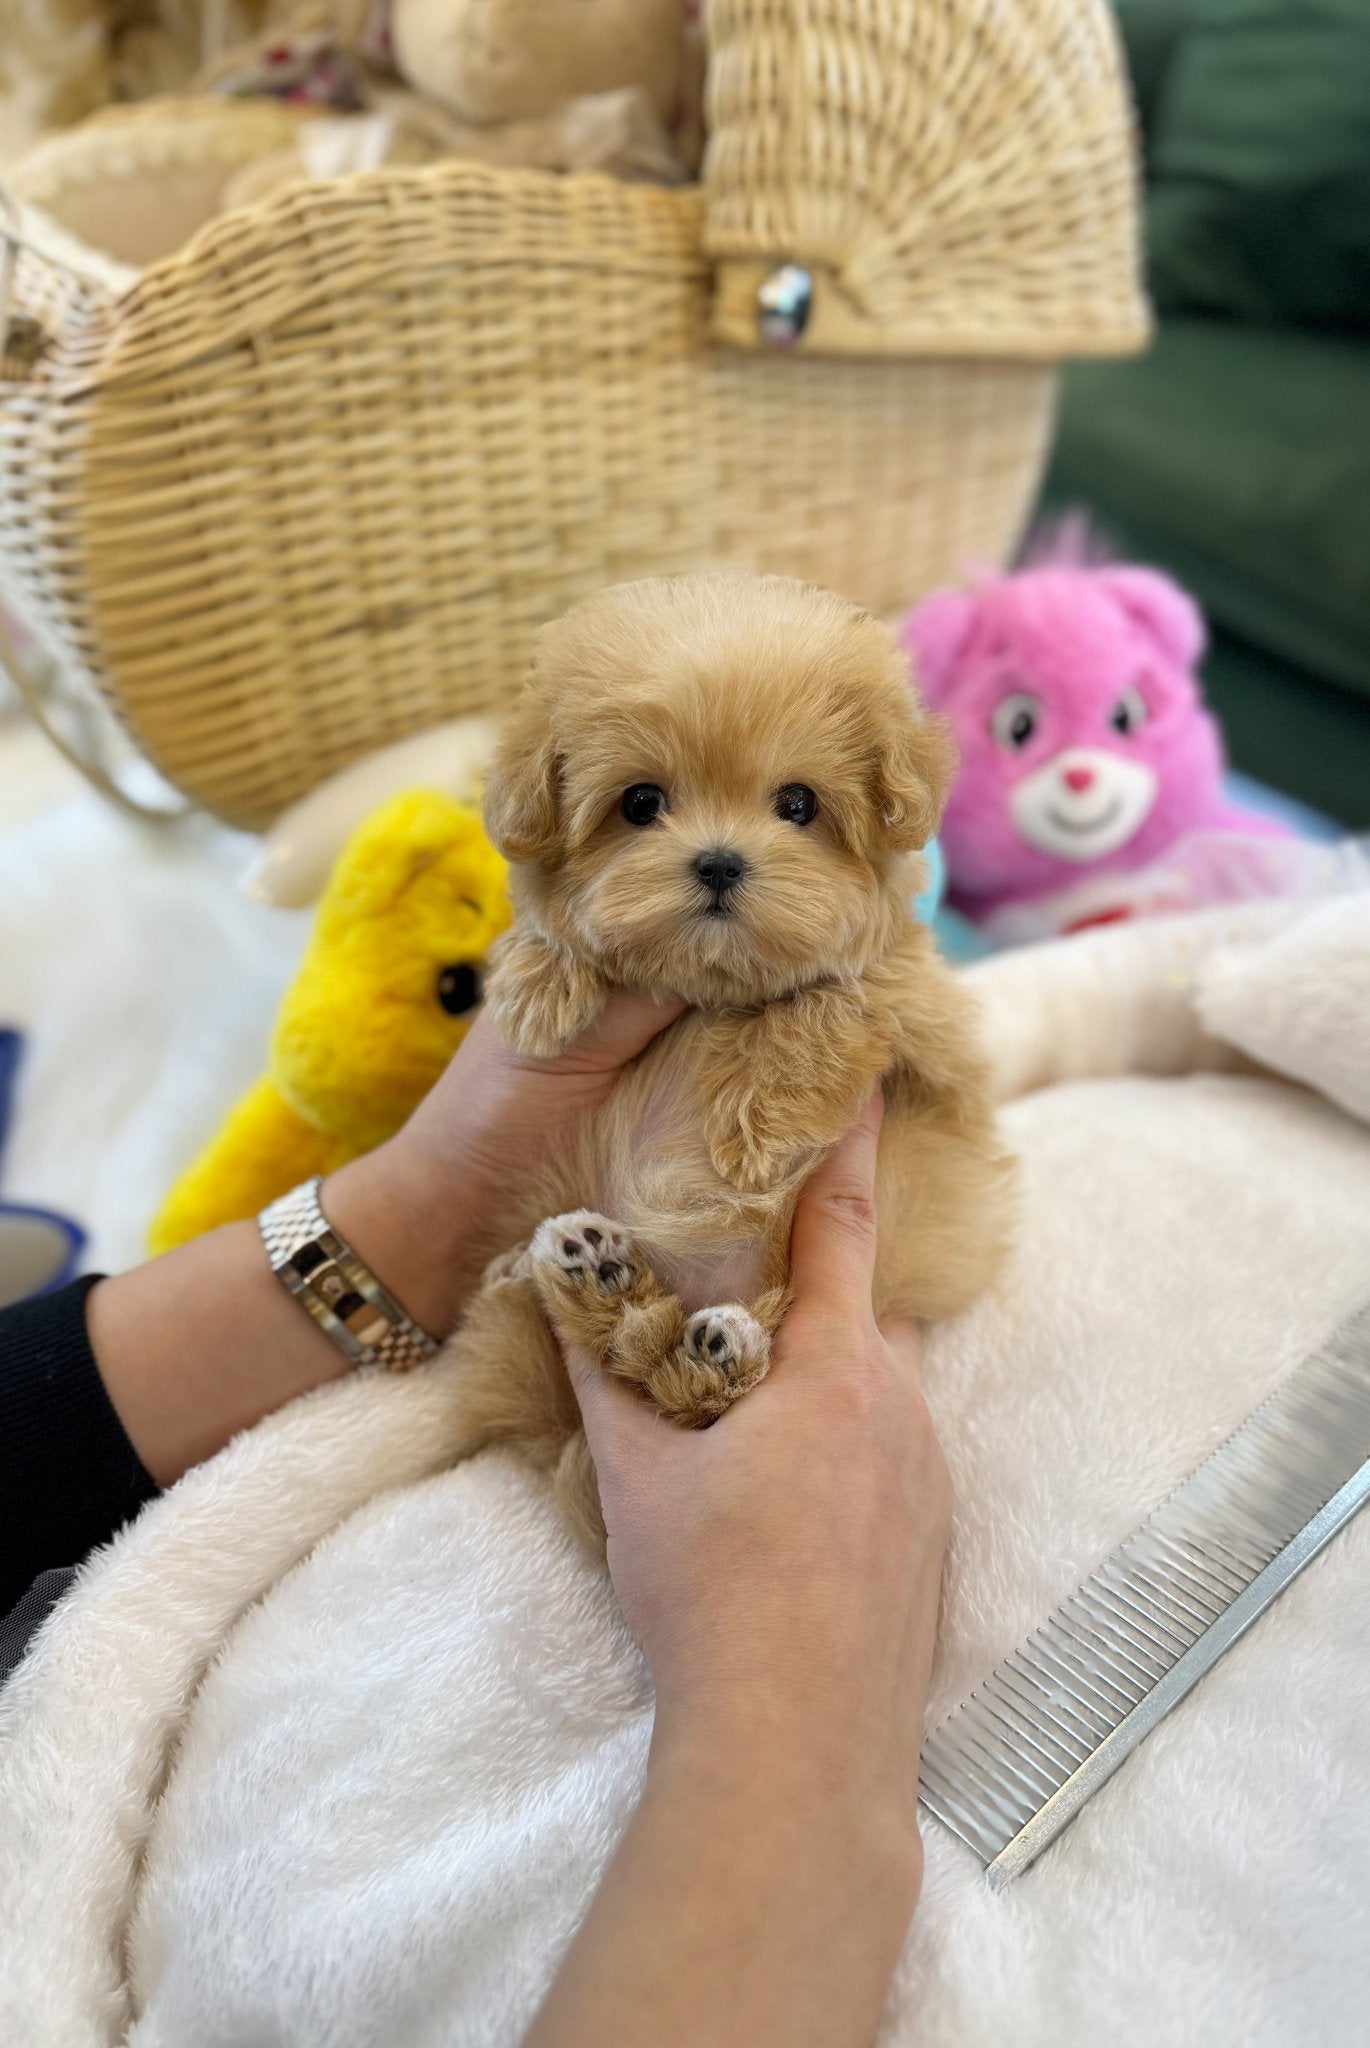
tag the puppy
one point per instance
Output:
(716, 787)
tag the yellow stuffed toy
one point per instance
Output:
(383, 998)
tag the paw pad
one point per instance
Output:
(584, 1246)
(727, 1339)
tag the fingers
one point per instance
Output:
(906, 1347)
(625, 1026)
(832, 1244)
(612, 1413)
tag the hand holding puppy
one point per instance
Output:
(783, 1566)
(431, 1203)
(781, 1571)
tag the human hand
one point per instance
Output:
(426, 1208)
(781, 1570)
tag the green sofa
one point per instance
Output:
(1236, 453)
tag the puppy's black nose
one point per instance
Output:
(720, 869)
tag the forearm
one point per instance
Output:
(68, 1475)
(760, 1893)
(205, 1341)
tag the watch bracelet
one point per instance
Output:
(336, 1288)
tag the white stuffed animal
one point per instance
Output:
(512, 60)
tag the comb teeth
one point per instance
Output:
(1014, 1763)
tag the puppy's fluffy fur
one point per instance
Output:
(809, 982)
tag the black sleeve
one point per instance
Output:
(69, 1477)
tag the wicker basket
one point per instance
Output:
(312, 482)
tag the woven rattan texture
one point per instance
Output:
(962, 172)
(163, 134)
(314, 483)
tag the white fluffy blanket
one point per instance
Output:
(331, 1745)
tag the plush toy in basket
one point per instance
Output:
(1087, 755)
(296, 91)
(545, 384)
(384, 996)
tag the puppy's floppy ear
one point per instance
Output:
(520, 806)
(913, 773)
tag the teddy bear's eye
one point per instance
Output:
(459, 989)
(643, 804)
(796, 804)
(1129, 713)
(1015, 719)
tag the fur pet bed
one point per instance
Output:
(332, 1743)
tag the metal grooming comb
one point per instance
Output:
(1014, 1763)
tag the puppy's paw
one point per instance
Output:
(722, 1354)
(508, 1267)
(538, 997)
(583, 1251)
(730, 1339)
(753, 1159)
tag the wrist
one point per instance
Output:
(410, 1226)
(789, 1769)
(790, 1823)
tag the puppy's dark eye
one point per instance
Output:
(459, 989)
(643, 804)
(796, 804)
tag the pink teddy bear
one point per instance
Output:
(1085, 747)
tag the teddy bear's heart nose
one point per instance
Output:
(1078, 778)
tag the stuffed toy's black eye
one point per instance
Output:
(459, 989)
(796, 804)
(643, 804)
(1129, 713)
(1015, 720)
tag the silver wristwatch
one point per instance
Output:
(336, 1288)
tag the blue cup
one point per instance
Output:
(39, 1250)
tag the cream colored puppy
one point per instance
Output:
(716, 787)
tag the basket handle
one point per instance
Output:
(91, 768)
(12, 240)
